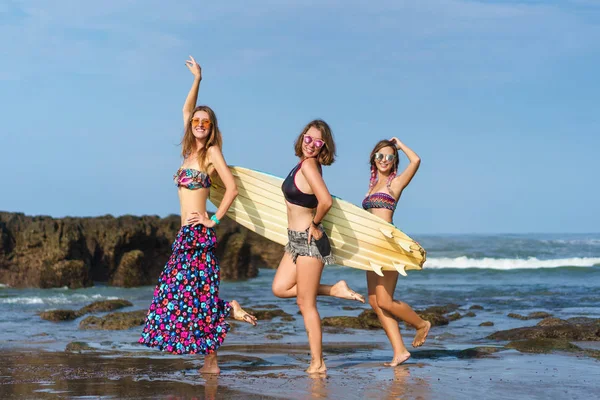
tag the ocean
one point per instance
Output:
(555, 273)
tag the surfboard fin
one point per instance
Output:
(387, 232)
(400, 268)
(404, 246)
(377, 269)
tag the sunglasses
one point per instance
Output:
(317, 142)
(204, 123)
(387, 157)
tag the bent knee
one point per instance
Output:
(385, 304)
(278, 290)
(373, 302)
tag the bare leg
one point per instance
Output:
(284, 283)
(210, 364)
(389, 323)
(308, 278)
(384, 292)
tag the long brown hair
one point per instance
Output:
(188, 143)
(374, 175)
(327, 153)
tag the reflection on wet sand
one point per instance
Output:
(318, 386)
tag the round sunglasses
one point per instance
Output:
(317, 142)
(204, 123)
(387, 157)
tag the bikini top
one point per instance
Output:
(379, 200)
(293, 194)
(191, 179)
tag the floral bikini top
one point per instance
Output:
(191, 179)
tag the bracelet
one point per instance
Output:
(215, 219)
(315, 224)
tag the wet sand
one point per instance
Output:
(356, 371)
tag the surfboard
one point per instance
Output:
(358, 238)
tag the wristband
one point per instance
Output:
(215, 219)
(315, 224)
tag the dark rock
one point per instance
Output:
(129, 272)
(46, 252)
(476, 307)
(369, 320)
(454, 316)
(343, 322)
(441, 309)
(274, 336)
(59, 315)
(538, 315)
(470, 314)
(435, 318)
(487, 323)
(584, 321)
(550, 321)
(589, 331)
(541, 345)
(478, 352)
(533, 315)
(78, 347)
(265, 315)
(352, 308)
(104, 306)
(115, 321)
(517, 316)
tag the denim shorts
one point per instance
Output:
(298, 246)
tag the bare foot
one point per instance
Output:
(210, 365)
(421, 334)
(342, 291)
(317, 367)
(398, 359)
(241, 315)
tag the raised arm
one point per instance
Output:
(192, 97)
(402, 180)
(310, 170)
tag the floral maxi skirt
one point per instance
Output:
(186, 315)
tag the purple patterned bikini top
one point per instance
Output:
(379, 200)
(191, 179)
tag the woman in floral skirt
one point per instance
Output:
(187, 316)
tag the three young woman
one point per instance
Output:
(187, 316)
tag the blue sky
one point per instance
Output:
(500, 100)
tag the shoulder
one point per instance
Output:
(310, 164)
(214, 151)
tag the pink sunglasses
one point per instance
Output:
(317, 142)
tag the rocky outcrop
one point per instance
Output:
(533, 315)
(586, 329)
(125, 251)
(97, 306)
(115, 321)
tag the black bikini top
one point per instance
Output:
(293, 194)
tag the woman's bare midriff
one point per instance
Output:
(299, 218)
(192, 201)
(382, 213)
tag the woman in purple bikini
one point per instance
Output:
(187, 316)
(385, 188)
